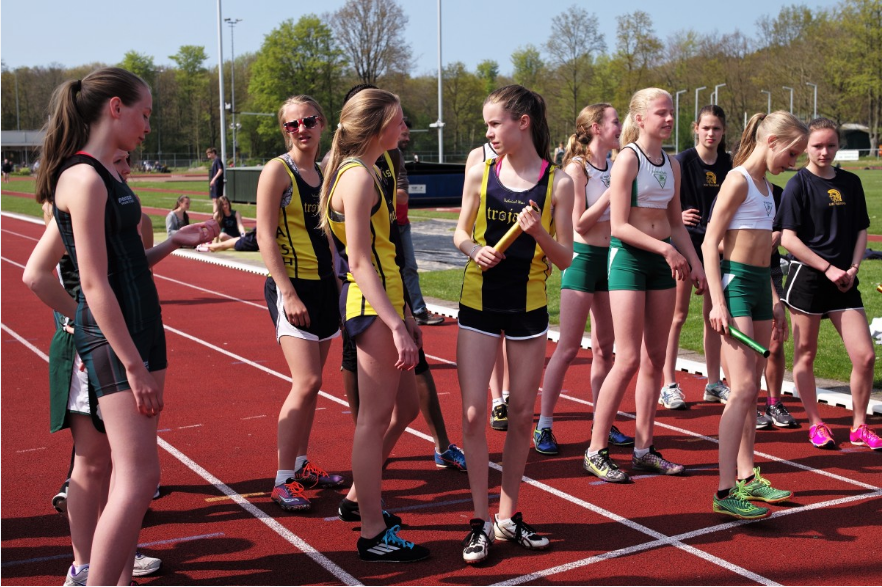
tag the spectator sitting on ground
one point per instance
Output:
(246, 242)
(178, 217)
(229, 220)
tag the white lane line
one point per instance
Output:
(268, 520)
(679, 537)
(217, 293)
(12, 232)
(10, 261)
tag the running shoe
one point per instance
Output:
(762, 421)
(389, 547)
(519, 532)
(821, 437)
(348, 512)
(75, 577)
(311, 477)
(157, 493)
(654, 461)
(601, 466)
(863, 436)
(289, 496)
(672, 397)
(736, 504)
(617, 438)
(499, 417)
(779, 415)
(476, 546)
(545, 442)
(716, 392)
(760, 489)
(145, 565)
(452, 458)
(426, 318)
(203, 248)
(59, 500)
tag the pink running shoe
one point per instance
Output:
(863, 436)
(821, 437)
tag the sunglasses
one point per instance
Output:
(307, 122)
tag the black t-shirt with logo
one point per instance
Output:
(699, 185)
(826, 214)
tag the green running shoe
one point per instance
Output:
(736, 504)
(601, 466)
(760, 489)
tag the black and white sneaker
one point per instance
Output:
(348, 512)
(519, 532)
(59, 501)
(779, 415)
(476, 546)
(388, 547)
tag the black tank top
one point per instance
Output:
(127, 270)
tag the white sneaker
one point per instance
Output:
(77, 578)
(476, 546)
(516, 530)
(672, 397)
(145, 565)
(716, 392)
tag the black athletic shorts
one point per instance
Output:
(350, 357)
(809, 291)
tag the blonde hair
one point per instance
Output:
(579, 143)
(639, 103)
(779, 124)
(364, 117)
(292, 101)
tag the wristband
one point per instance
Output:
(856, 266)
(472, 252)
(828, 268)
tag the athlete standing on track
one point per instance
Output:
(743, 296)
(584, 283)
(355, 210)
(703, 168)
(824, 221)
(643, 266)
(302, 297)
(504, 295)
(118, 329)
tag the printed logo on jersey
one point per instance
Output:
(505, 216)
(710, 179)
(769, 207)
(835, 198)
(660, 176)
(126, 200)
(605, 179)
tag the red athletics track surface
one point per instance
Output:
(215, 523)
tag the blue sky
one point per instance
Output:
(69, 33)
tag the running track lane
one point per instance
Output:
(587, 550)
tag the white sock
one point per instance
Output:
(498, 401)
(593, 453)
(504, 522)
(298, 464)
(282, 476)
(488, 528)
(545, 422)
(640, 452)
(505, 394)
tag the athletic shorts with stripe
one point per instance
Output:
(588, 270)
(747, 289)
(320, 297)
(809, 291)
(513, 325)
(635, 269)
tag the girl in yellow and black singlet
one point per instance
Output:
(361, 219)
(503, 294)
(301, 292)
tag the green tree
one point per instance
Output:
(862, 23)
(463, 96)
(194, 101)
(371, 33)
(528, 66)
(637, 50)
(140, 64)
(488, 70)
(295, 58)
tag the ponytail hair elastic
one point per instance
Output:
(78, 86)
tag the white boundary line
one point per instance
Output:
(222, 487)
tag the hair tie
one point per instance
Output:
(340, 127)
(78, 86)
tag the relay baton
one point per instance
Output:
(879, 288)
(748, 342)
(513, 233)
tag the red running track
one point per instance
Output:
(215, 523)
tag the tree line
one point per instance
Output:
(839, 49)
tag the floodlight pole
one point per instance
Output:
(696, 106)
(815, 87)
(233, 22)
(716, 94)
(791, 97)
(677, 120)
(220, 77)
(769, 94)
(439, 123)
